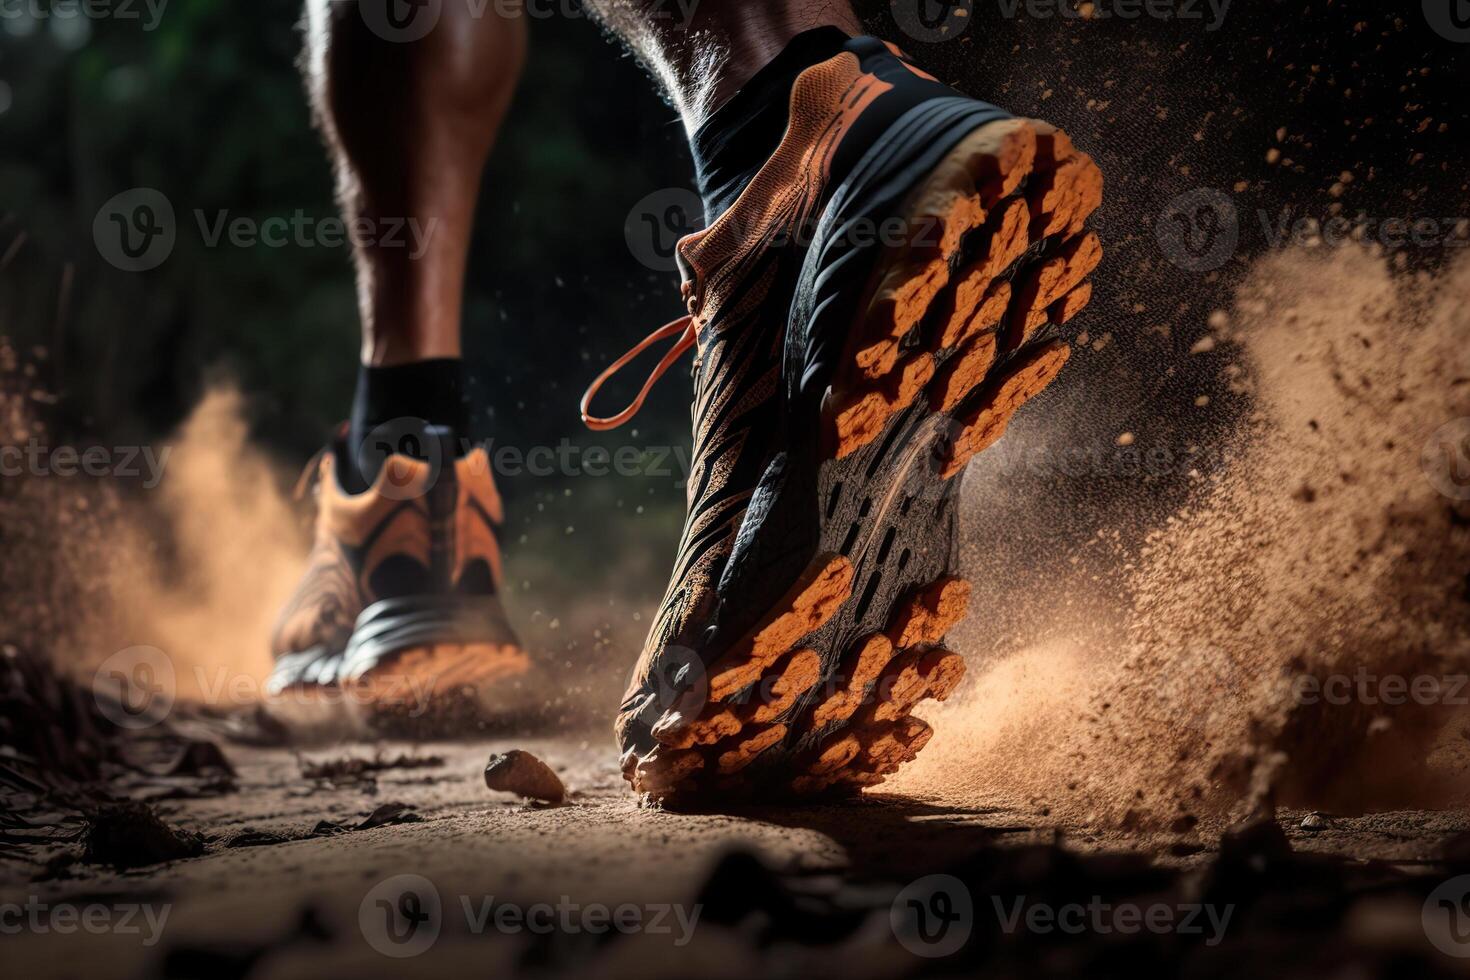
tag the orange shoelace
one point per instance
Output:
(683, 328)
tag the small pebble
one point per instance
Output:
(526, 776)
(1314, 821)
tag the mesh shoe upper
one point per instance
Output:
(396, 539)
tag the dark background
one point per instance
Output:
(208, 109)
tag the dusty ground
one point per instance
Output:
(472, 844)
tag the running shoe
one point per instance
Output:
(867, 316)
(399, 606)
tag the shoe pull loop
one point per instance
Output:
(683, 329)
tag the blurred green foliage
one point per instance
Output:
(206, 106)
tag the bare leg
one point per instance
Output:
(409, 124)
(409, 111)
(703, 59)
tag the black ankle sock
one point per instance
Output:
(431, 391)
(741, 134)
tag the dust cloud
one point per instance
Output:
(1298, 633)
(197, 567)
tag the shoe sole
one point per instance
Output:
(428, 664)
(953, 336)
(436, 687)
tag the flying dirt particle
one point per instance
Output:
(1251, 654)
(523, 774)
(234, 551)
(1125, 439)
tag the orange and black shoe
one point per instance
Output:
(398, 612)
(880, 298)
